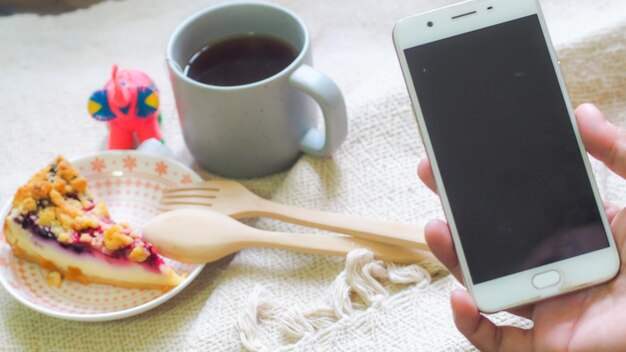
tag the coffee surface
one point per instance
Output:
(240, 60)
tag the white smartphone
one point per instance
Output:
(512, 173)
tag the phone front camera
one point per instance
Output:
(429, 23)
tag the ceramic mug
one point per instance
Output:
(255, 129)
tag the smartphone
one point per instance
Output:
(499, 130)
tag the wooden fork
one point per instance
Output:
(233, 199)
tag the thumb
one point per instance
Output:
(603, 140)
(482, 332)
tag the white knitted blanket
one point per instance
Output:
(50, 65)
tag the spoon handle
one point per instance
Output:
(339, 246)
(372, 229)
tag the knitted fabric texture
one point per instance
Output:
(49, 65)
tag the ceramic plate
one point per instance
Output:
(131, 184)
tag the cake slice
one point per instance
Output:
(57, 223)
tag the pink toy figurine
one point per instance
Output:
(129, 102)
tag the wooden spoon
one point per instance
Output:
(202, 236)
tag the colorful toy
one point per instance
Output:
(129, 103)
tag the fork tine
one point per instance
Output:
(173, 206)
(191, 187)
(163, 209)
(188, 195)
(186, 202)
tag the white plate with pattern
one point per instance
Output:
(131, 184)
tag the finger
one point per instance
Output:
(439, 240)
(611, 210)
(425, 172)
(618, 227)
(525, 312)
(603, 140)
(484, 334)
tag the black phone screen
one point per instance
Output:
(506, 149)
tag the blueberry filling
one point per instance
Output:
(74, 247)
(72, 195)
(52, 171)
(29, 223)
(153, 260)
(42, 203)
(44, 232)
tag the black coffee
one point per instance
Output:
(240, 60)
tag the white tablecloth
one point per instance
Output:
(49, 66)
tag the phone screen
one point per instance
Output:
(506, 149)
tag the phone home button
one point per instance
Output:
(547, 279)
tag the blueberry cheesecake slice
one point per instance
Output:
(56, 223)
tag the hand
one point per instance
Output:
(593, 319)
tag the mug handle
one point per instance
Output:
(320, 87)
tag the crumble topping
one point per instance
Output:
(46, 217)
(85, 238)
(55, 204)
(139, 253)
(102, 210)
(85, 222)
(79, 184)
(41, 188)
(115, 239)
(65, 238)
(54, 279)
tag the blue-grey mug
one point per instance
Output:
(255, 129)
